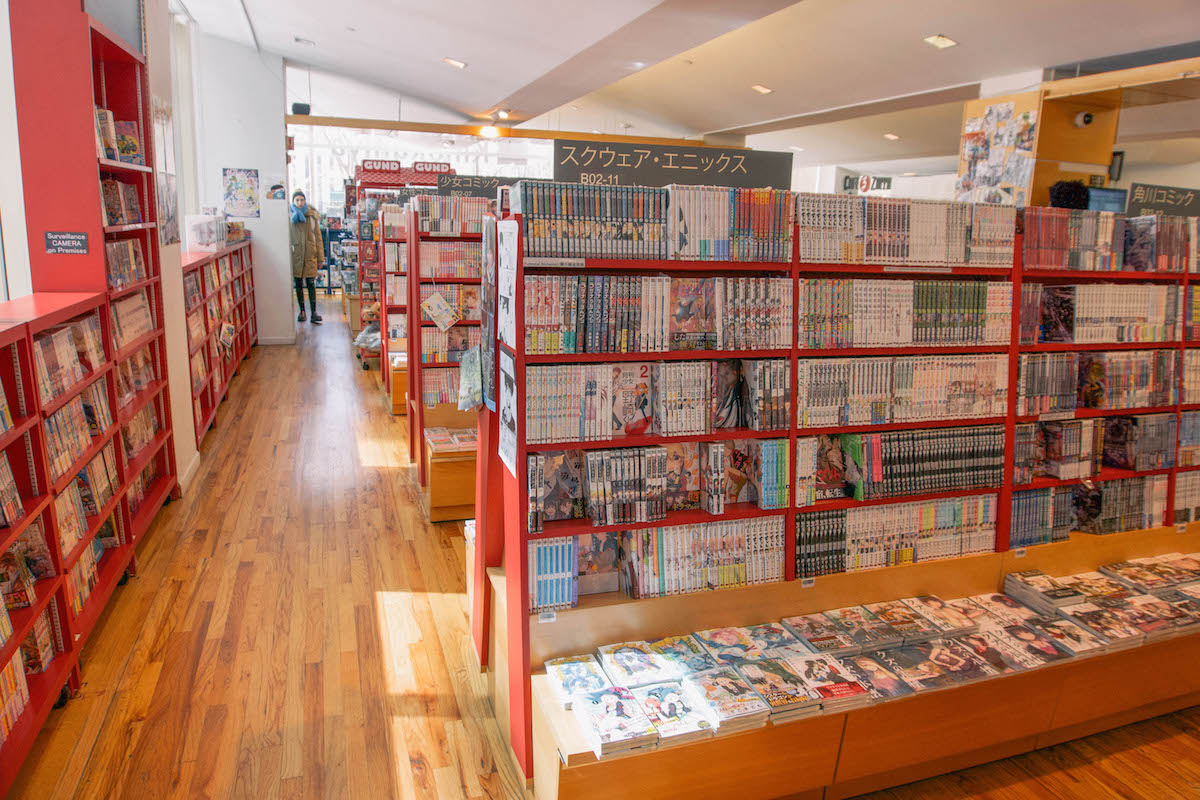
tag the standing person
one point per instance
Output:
(307, 251)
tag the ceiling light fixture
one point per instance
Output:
(939, 41)
(910, 174)
(502, 113)
(891, 137)
(758, 87)
(639, 65)
(454, 62)
(302, 40)
(595, 131)
(489, 131)
(797, 149)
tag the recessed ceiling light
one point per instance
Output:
(909, 174)
(939, 41)
(454, 62)
(758, 87)
(797, 149)
(595, 131)
(639, 65)
(502, 113)
(573, 107)
(891, 137)
(302, 40)
(352, 29)
(489, 131)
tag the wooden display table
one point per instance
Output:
(399, 395)
(449, 492)
(887, 744)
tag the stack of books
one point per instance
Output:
(717, 223)
(132, 319)
(448, 260)
(1039, 591)
(613, 722)
(1091, 313)
(125, 263)
(734, 704)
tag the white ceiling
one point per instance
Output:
(826, 54)
(526, 55)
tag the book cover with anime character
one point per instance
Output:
(632, 399)
(563, 486)
(683, 476)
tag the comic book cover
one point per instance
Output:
(912, 664)
(683, 476)
(1094, 585)
(729, 645)
(831, 469)
(958, 661)
(1140, 243)
(575, 674)
(984, 649)
(1033, 648)
(775, 682)
(1004, 608)
(1153, 616)
(1093, 380)
(612, 716)
(563, 491)
(690, 324)
(598, 563)
(941, 614)
(1067, 635)
(727, 409)
(1120, 442)
(974, 612)
(684, 653)
(468, 302)
(635, 664)
(1058, 313)
(675, 712)
(738, 463)
(872, 671)
(826, 677)
(770, 635)
(727, 693)
(862, 626)
(632, 399)
(904, 620)
(820, 633)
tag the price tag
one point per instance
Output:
(1051, 416)
(808, 583)
(440, 311)
(547, 616)
(1019, 552)
(1181, 527)
(572, 263)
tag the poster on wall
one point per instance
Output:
(508, 411)
(996, 155)
(506, 281)
(166, 187)
(240, 190)
(274, 188)
(487, 292)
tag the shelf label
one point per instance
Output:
(66, 243)
(808, 583)
(1051, 416)
(573, 263)
(547, 616)
(1019, 552)
(1181, 527)
(913, 268)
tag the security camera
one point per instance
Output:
(1083, 119)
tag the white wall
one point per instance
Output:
(239, 116)
(338, 96)
(1184, 175)
(12, 188)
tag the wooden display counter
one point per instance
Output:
(449, 492)
(867, 749)
(399, 394)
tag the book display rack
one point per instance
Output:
(903, 356)
(218, 291)
(374, 188)
(89, 435)
(393, 294)
(445, 266)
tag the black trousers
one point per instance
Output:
(312, 292)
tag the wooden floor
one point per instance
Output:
(297, 630)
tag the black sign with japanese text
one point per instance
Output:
(621, 164)
(1174, 201)
(472, 185)
(66, 243)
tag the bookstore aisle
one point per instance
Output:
(298, 630)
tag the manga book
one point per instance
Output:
(729, 645)
(632, 399)
(684, 653)
(683, 476)
(1067, 635)
(863, 627)
(635, 664)
(872, 671)
(574, 674)
(563, 490)
(769, 635)
(776, 683)
(613, 720)
(728, 695)
(821, 634)
(676, 713)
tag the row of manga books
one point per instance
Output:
(70, 518)
(397, 329)
(553, 573)
(124, 262)
(1191, 376)
(64, 355)
(131, 318)
(848, 540)
(448, 215)
(119, 202)
(716, 223)
(67, 436)
(844, 229)
(849, 312)
(871, 466)
(1158, 244)
(11, 507)
(134, 374)
(1077, 449)
(1056, 382)
(1191, 313)
(395, 258)
(95, 408)
(571, 220)
(684, 559)
(1073, 239)
(1100, 313)
(463, 300)
(196, 330)
(1047, 383)
(397, 290)
(450, 259)
(1041, 516)
(140, 485)
(1127, 504)
(98, 481)
(1187, 497)
(881, 390)
(712, 477)
(439, 386)
(139, 431)
(14, 695)
(590, 402)
(1188, 454)
(655, 313)
(445, 347)
(81, 580)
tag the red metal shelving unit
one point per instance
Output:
(224, 278)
